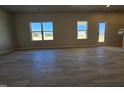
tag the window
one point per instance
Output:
(36, 31)
(41, 30)
(47, 30)
(102, 27)
(82, 27)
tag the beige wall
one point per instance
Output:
(7, 42)
(65, 29)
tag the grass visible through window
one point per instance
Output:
(41, 30)
(82, 28)
(102, 32)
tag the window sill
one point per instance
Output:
(42, 40)
(83, 39)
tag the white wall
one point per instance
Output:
(7, 35)
(65, 29)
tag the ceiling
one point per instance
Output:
(62, 8)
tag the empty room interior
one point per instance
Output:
(61, 45)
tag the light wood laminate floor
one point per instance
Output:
(101, 66)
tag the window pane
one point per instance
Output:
(82, 25)
(36, 36)
(102, 32)
(82, 34)
(35, 26)
(47, 26)
(48, 35)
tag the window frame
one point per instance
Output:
(82, 30)
(47, 31)
(104, 33)
(31, 38)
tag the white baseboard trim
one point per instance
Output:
(6, 51)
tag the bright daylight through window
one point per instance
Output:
(82, 27)
(102, 28)
(41, 30)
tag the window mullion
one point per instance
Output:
(42, 31)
